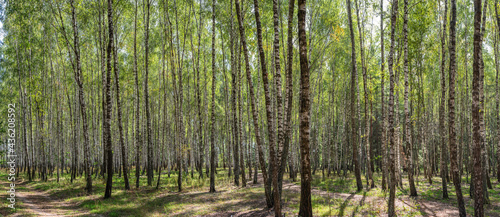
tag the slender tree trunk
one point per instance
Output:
(279, 108)
(288, 97)
(366, 93)
(392, 158)
(497, 98)
(354, 132)
(484, 155)
(212, 137)
(409, 142)
(235, 128)
(119, 117)
(305, 209)
(268, 103)
(81, 98)
(383, 140)
(444, 164)
(476, 134)
(239, 128)
(146, 99)
(137, 111)
(451, 104)
(107, 118)
(198, 100)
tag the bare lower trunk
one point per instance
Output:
(354, 129)
(383, 140)
(476, 135)
(392, 183)
(409, 142)
(367, 118)
(268, 105)
(137, 112)
(497, 96)
(119, 117)
(305, 209)
(444, 164)
(81, 98)
(451, 104)
(212, 135)
(107, 119)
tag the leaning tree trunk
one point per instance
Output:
(367, 119)
(305, 209)
(268, 104)
(81, 98)
(253, 102)
(354, 133)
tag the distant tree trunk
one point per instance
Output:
(288, 97)
(354, 132)
(476, 134)
(146, 99)
(444, 164)
(484, 155)
(198, 100)
(239, 125)
(451, 104)
(137, 111)
(305, 209)
(366, 93)
(119, 117)
(468, 159)
(383, 141)
(233, 65)
(81, 98)
(392, 183)
(235, 128)
(22, 96)
(409, 142)
(72, 117)
(212, 137)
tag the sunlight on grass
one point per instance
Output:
(331, 196)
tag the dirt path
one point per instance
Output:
(39, 203)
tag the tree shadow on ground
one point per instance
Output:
(344, 204)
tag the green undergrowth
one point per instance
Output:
(331, 196)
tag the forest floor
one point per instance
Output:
(334, 196)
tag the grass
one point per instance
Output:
(337, 197)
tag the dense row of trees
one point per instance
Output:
(105, 87)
